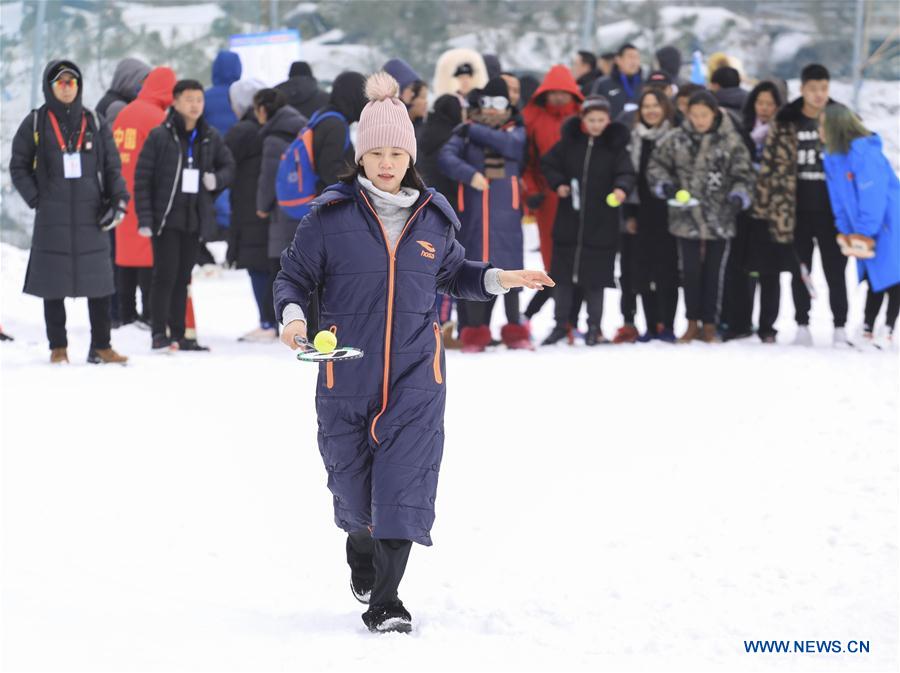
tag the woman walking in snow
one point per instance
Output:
(377, 246)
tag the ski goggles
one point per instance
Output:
(493, 102)
(66, 83)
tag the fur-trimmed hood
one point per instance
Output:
(444, 81)
(615, 136)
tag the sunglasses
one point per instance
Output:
(65, 83)
(494, 102)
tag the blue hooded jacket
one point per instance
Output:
(226, 70)
(865, 198)
(381, 417)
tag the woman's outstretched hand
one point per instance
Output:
(534, 280)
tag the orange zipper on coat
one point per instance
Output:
(329, 366)
(485, 224)
(438, 378)
(388, 327)
(515, 192)
(460, 197)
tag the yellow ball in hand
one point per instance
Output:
(325, 341)
(682, 196)
(612, 201)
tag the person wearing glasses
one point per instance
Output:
(485, 156)
(65, 165)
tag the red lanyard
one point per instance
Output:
(59, 136)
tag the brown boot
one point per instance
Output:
(692, 332)
(709, 334)
(450, 341)
(105, 356)
(59, 356)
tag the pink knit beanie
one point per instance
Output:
(384, 121)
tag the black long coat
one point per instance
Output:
(70, 255)
(585, 240)
(248, 234)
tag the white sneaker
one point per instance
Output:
(840, 339)
(260, 336)
(803, 336)
(870, 342)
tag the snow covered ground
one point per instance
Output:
(645, 507)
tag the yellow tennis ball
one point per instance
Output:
(612, 201)
(682, 196)
(325, 341)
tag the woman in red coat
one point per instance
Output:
(557, 98)
(134, 254)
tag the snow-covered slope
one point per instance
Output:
(645, 507)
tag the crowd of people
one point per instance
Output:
(635, 179)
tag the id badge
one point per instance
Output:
(72, 165)
(190, 180)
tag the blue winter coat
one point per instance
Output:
(381, 418)
(865, 198)
(226, 70)
(498, 239)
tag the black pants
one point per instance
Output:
(660, 303)
(819, 226)
(174, 255)
(769, 302)
(873, 306)
(55, 319)
(388, 558)
(568, 296)
(128, 279)
(542, 296)
(702, 273)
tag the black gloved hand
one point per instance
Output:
(534, 201)
(739, 200)
(668, 190)
(114, 216)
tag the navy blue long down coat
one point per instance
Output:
(381, 418)
(491, 220)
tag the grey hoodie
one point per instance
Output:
(126, 82)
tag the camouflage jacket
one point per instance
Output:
(775, 198)
(711, 166)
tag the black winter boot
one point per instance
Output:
(557, 335)
(360, 558)
(388, 618)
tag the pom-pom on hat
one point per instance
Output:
(384, 121)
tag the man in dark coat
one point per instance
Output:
(65, 165)
(302, 90)
(584, 69)
(792, 196)
(280, 125)
(726, 87)
(333, 154)
(182, 168)
(622, 87)
(127, 79)
(248, 235)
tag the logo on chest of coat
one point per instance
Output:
(427, 249)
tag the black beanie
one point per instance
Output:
(494, 87)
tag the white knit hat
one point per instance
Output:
(384, 121)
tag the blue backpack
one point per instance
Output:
(295, 182)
